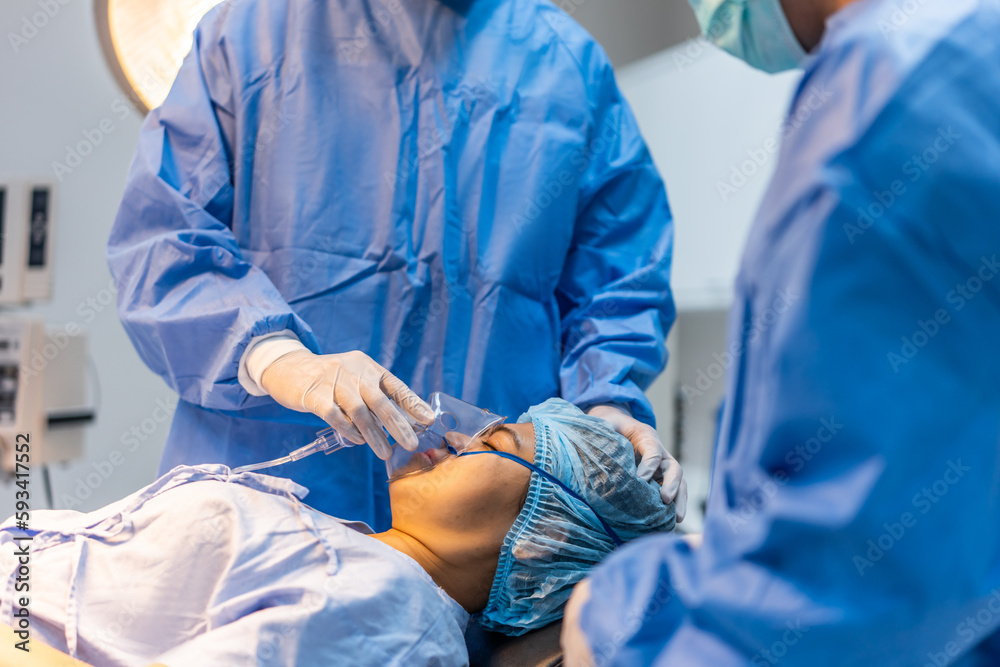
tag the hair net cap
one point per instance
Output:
(555, 539)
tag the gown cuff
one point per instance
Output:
(261, 353)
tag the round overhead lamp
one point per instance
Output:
(145, 41)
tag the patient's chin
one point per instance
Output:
(413, 494)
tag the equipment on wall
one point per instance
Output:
(43, 392)
(26, 216)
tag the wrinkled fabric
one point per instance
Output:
(556, 539)
(204, 567)
(855, 496)
(457, 190)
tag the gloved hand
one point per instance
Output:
(574, 644)
(351, 393)
(657, 464)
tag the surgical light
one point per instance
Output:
(145, 42)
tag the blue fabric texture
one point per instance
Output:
(457, 190)
(556, 539)
(853, 511)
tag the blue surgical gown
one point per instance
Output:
(204, 567)
(854, 511)
(458, 191)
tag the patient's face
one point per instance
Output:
(471, 499)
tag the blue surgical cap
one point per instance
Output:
(556, 539)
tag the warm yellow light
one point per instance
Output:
(146, 41)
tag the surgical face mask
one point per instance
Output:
(755, 31)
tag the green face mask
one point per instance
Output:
(755, 31)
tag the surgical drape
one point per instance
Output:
(205, 567)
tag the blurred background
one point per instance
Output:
(68, 130)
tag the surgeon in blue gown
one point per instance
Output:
(455, 194)
(854, 511)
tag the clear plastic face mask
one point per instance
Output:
(456, 424)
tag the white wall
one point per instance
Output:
(55, 88)
(706, 116)
(709, 121)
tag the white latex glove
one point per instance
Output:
(657, 464)
(351, 393)
(575, 647)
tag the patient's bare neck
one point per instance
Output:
(465, 573)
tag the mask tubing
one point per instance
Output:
(261, 466)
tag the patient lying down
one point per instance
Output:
(209, 568)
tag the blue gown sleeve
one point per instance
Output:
(614, 293)
(853, 511)
(187, 298)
